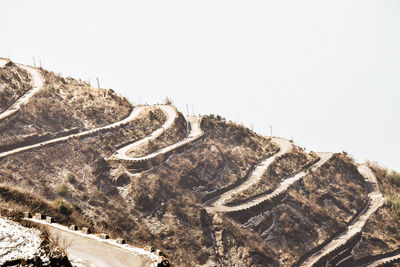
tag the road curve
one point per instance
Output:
(376, 200)
(37, 85)
(217, 204)
(94, 251)
(171, 114)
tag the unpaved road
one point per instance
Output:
(88, 249)
(217, 204)
(171, 113)
(37, 85)
(376, 200)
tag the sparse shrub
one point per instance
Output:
(70, 177)
(152, 117)
(394, 177)
(219, 118)
(393, 202)
(62, 206)
(62, 189)
(168, 101)
(391, 228)
(15, 215)
(151, 145)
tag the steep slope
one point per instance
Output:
(204, 190)
(379, 241)
(58, 105)
(14, 83)
(375, 201)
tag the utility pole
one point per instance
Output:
(40, 63)
(98, 83)
(187, 109)
(34, 63)
(192, 110)
(270, 127)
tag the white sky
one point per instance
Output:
(326, 73)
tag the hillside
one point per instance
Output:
(14, 83)
(203, 190)
(62, 105)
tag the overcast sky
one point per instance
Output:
(326, 73)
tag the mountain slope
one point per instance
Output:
(204, 190)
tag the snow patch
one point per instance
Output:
(17, 242)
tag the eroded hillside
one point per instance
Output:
(212, 194)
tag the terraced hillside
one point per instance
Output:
(206, 191)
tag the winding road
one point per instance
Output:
(104, 253)
(172, 114)
(217, 204)
(376, 201)
(89, 248)
(37, 85)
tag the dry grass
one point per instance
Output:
(14, 201)
(381, 232)
(282, 167)
(61, 105)
(91, 198)
(313, 210)
(167, 198)
(172, 135)
(163, 206)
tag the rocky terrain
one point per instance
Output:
(213, 194)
